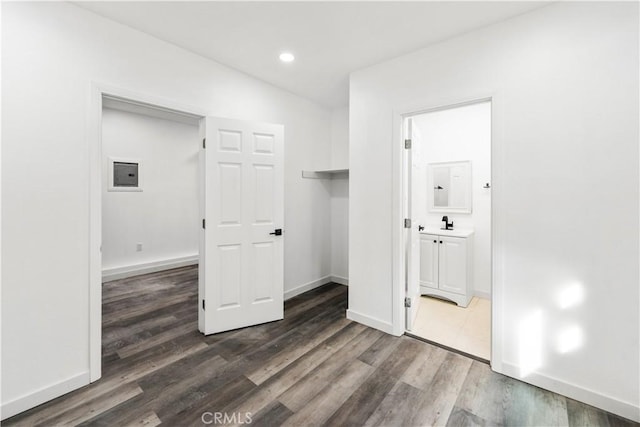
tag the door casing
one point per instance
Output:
(399, 213)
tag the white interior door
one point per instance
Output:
(413, 186)
(242, 205)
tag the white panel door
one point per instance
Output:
(453, 264)
(242, 206)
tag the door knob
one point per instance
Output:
(277, 232)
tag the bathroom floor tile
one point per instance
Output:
(473, 345)
(465, 329)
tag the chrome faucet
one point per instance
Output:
(447, 225)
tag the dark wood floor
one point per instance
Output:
(315, 367)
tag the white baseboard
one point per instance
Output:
(340, 280)
(482, 294)
(590, 397)
(306, 287)
(38, 397)
(117, 273)
(315, 284)
(370, 321)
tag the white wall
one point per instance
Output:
(340, 227)
(340, 138)
(340, 195)
(164, 216)
(51, 54)
(461, 134)
(565, 85)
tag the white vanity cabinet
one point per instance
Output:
(446, 264)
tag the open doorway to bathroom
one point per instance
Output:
(448, 197)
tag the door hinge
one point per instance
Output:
(204, 225)
(407, 144)
(203, 304)
(407, 223)
(407, 302)
(204, 142)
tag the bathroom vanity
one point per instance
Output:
(446, 264)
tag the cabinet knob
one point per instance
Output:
(435, 241)
(440, 241)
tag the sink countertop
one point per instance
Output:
(456, 232)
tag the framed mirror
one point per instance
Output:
(449, 187)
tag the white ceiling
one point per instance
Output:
(329, 39)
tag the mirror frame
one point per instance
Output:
(430, 196)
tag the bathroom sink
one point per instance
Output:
(456, 232)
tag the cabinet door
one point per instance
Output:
(429, 260)
(453, 264)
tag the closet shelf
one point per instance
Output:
(324, 174)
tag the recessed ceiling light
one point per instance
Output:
(287, 57)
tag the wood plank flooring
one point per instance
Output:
(315, 367)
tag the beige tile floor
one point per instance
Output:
(465, 329)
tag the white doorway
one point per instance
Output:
(150, 233)
(240, 221)
(448, 247)
(150, 190)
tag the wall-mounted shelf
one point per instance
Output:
(324, 174)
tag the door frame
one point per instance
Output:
(399, 190)
(94, 135)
